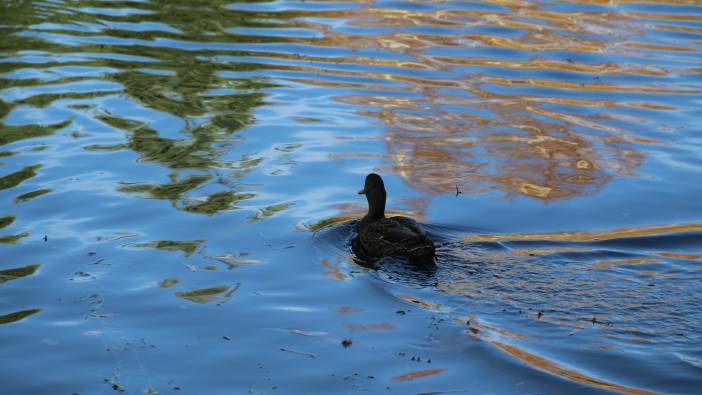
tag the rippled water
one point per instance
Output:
(177, 187)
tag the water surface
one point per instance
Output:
(177, 194)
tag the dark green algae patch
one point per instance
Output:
(13, 179)
(171, 191)
(105, 147)
(16, 273)
(31, 195)
(168, 282)
(14, 133)
(6, 221)
(219, 294)
(184, 91)
(12, 239)
(269, 211)
(187, 247)
(17, 316)
(217, 202)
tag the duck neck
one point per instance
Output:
(376, 205)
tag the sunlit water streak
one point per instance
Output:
(178, 179)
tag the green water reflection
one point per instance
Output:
(19, 272)
(184, 83)
(186, 247)
(218, 294)
(17, 316)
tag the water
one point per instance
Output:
(177, 187)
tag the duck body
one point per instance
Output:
(380, 236)
(394, 236)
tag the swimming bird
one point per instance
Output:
(380, 236)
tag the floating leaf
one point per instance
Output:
(219, 294)
(15, 273)
(16, 316)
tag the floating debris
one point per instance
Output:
(419, 374)
(218, 294)
(308, 354)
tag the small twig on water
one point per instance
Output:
(309, 354)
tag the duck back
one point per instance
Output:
(395, 236)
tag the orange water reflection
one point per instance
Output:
(480, 128)
(475, 138)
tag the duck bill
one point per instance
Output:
(362, 191)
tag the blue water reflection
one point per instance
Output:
(177, 188)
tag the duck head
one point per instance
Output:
(374, 189)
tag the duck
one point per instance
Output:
(380, 236)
